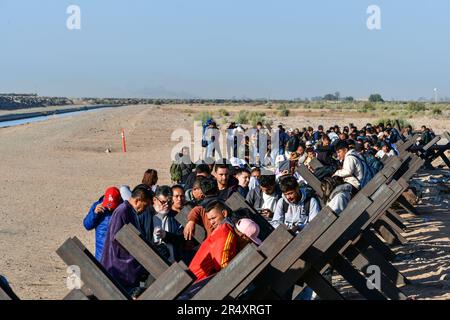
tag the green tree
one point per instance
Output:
(376, 98)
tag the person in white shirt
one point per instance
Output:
(352, 168)
(385, 150)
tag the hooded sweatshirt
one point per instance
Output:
(352, 169)
(295, 214)
(119, 263)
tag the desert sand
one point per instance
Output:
(52, 171)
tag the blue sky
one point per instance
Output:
(225, 49)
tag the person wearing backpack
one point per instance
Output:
(353, 166)
(297, 206)
(182, 167)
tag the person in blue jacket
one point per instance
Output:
(99, 216)
(4, 285)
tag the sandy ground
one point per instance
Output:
(52, 171)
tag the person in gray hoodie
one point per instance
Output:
(296, 208)
(336, 193)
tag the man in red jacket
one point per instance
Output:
(224, 243)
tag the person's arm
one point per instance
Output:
(278, 215)
(92, 219)
(251, 197)
(224, 248)
(346, 170)
(314, 209)
(194, 217)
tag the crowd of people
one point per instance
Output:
(270, 183)
(349, 157)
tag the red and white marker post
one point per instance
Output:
(124, 145)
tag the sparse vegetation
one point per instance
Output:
(223, 113)
(403, 122)
(416, 106)
(283, 111)
(203, 116)
(436, 111)
(242, 117)
(368, 107)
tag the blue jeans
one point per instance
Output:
(306, 294)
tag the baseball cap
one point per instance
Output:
(250, 229)
(112, 198)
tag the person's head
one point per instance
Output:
(141, 198)
(423, 128)
(162, 201)
(259, 125)
(290, 189)
(112, 199)
(359, 147)
(256, 172)
(209, 187)
(385, 147)
(343, 136)
(222, 174)
(150, 177)
(243, 176)
(326, 140)
(185, 151)
(216, 212)
(310, 152)
(197, 190)
(267, 183)
(320, 128)
(341, 149)
(178, 197)
(247, 231)
(301, 149)
(202, 170)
